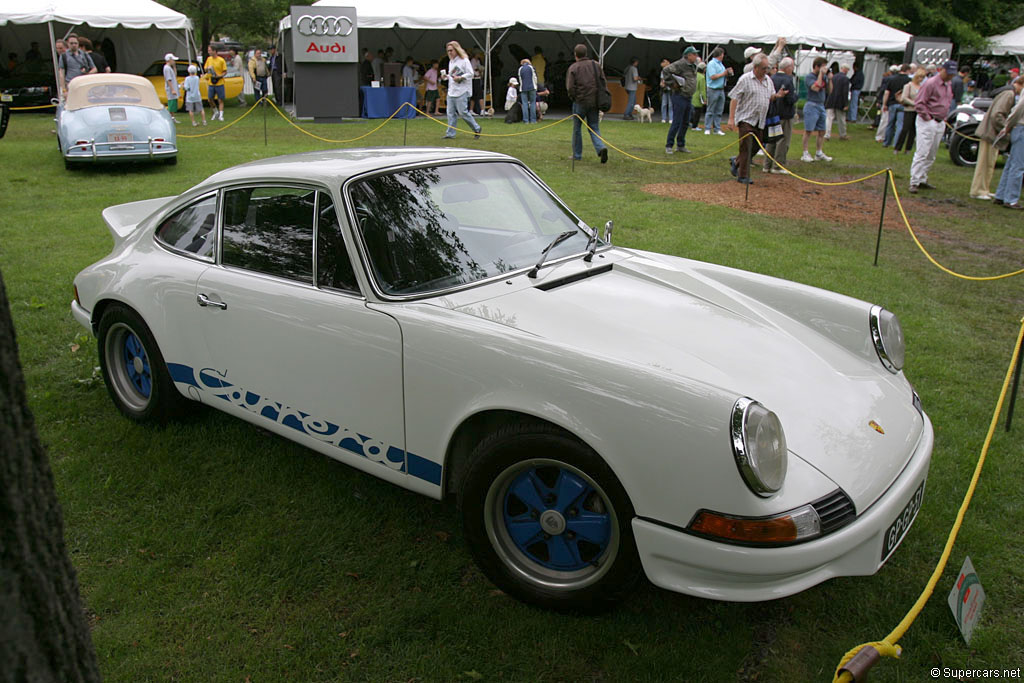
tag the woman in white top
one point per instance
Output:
(906, 98)
(460, 86)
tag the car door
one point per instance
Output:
(294, 347)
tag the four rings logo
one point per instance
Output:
(931, 55)
(319, 25)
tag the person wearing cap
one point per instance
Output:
(773, 57)
(717, 74)
(512, 94)
(193, 99)
(931, 105)
(991, 125)
(681, 78)
(748, 108)
(171, 83)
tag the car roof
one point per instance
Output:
(334, 166)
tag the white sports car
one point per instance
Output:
(440, 319)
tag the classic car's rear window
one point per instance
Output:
(269, 230)
(191, 229)
(430, 229)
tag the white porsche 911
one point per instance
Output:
(440, 319)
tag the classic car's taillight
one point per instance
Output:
(789, 527)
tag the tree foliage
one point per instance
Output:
(248, 21)
(966, 22)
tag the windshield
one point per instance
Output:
(429, 229)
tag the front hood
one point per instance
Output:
(682, 322)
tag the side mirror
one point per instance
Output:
(608, 232)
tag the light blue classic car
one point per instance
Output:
(114, 117)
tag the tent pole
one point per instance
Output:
(56, 68)
(601, 55)
(488, 100)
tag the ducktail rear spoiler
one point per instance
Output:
(122, 219)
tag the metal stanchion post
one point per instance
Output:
(264, 105)
(405, 131)
(881, 218)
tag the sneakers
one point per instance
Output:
(913, 189)
(807, 158)
(603, 154)
(669, 150)
(779, 171)
(926, 186)
(986, 197)
(707, 131)
(476, 136)
(684, 150)
(821, 156)
(718, 132)
(194, 124)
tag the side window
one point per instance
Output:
(191, 229)
(269, 230)
(333, 267)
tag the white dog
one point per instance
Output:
(643, 113)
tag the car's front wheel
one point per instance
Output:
(547, 520)
(133, 368)
(962, 151)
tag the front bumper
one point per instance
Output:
(697, 566)
(83, 316)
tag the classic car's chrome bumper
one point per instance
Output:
(83, 316)
(697, 566)
(136, 149)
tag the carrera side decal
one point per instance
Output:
(209, 381)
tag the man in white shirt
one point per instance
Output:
(171, 83)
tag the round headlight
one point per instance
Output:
(887, 335)
(759, 446)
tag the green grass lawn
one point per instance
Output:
(213, 551)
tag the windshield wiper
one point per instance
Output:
(544, 254)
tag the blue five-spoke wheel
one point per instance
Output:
(128, 364)
(552, 524)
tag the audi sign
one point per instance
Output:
(324, 34)
(921, 50)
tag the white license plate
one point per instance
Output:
(4, 97)
(119, 137)
(901, 525)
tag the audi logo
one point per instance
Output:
(930, 55)
(319, 25)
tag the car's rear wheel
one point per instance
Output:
(964, 152)
(171, 161)
(133, 368)
(547, 520)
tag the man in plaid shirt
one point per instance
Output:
(748, 108)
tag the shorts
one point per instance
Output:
(194, 107)
(216, 92)
(432, 95)
(172, 105)
(814, 116)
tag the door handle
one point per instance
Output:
(204, 301)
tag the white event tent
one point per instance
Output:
(1011, 43)
(142, 31)
(802, 22)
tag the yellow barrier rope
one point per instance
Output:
(816, 182)
(223, 128)
(899, 205)
(966, 137)
(490, 135)
(314, 135)
(887, 647)
(38, 106)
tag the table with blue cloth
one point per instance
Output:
(380, 103)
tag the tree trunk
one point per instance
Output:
(43, 631)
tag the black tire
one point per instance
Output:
(573, 548)
(964, 152)
(133, 368)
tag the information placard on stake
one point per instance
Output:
(966, 600)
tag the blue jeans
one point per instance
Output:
(528, 98)
(591, 115)
(458, 106)
(1013, 171)
(681, 106)
(854, 102)
(892, 131)
(716, 104)
(630, 103)
(666, 107)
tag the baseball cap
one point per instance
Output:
(513, 81)
(950, 66)
(750, 52)
(894, 68)
(690, 51)
(170, 55)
